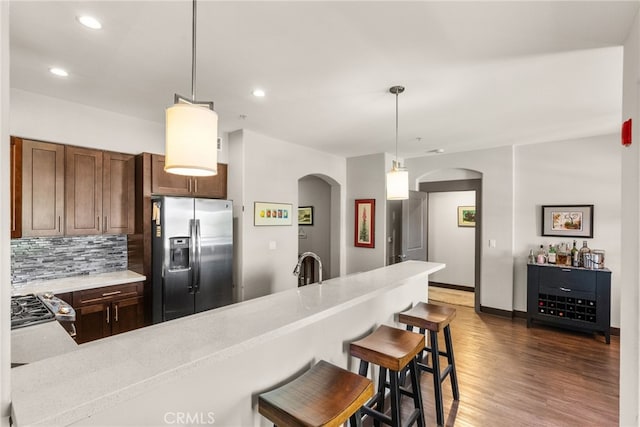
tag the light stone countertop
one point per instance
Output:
(67, 389)
(77, 283)
(38, 342)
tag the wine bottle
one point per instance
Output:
(551, 257)
(574, 255)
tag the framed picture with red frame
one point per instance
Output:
(365, 223)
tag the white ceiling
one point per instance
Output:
(477, 74)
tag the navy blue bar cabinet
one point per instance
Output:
(569, 297)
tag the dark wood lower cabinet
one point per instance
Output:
(107, 311)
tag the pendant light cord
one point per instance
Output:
(193, 54)
(396, 128)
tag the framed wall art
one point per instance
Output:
(365, 221)
(305, 215)
(268, 213)
(567, 220)
(466, 216)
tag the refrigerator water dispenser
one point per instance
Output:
(178, 253)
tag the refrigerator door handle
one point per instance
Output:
(192, 254)
(198, 256)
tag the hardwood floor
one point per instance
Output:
(513, 376)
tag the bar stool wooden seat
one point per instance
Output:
(393, 350)
(435, 318)
(325, 395)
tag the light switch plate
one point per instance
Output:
(272, 245)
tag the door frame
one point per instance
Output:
(463, 185)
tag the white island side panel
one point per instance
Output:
(215, 362)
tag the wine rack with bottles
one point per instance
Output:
(575, 298)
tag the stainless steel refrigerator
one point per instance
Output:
(192, 251)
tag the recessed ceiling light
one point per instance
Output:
(259, 93)
(436, 151)
(58, 71)
(89, 22)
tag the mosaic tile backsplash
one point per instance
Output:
(43, 258)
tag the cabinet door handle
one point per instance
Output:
(116, 316)
(108, 314)
(59, 224)
(189, 185)
(104, 224)
(98, 221)
(108, 294)
(567, 270)
(565, 289)
(196, 184)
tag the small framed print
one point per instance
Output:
(567, 220)
(365, 220)
(267, 213)
(305, 215)
(466, 216)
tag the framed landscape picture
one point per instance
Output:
(567, 220)
(466, 216)
(365, 216)
(305, 215)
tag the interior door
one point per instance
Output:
(414, 227)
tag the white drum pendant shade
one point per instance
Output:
(191, 140)
(397, 184)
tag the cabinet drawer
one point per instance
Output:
(107, 293)
(567, 280)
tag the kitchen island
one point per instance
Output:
(210, 367)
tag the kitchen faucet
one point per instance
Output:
(296, 271)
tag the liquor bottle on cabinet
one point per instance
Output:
(551, 255)
(541, 256)
(584, 256)
(575, 260)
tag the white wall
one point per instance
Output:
(496, 167)
(5, 265)
(315, 192)
(581, 171)
(49, 119)
(268, 170)
(366, 177)
(630, 306)
(448, 243)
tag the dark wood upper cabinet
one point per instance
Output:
(118, 193)
(212, 186)
(83, 191)
(100, 192)
(168, 184)
(16, 187)
(42, 189)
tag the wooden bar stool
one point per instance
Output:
(393, 350)
(325, 395)
(435, 318)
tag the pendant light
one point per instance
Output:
(397, 177)
(191, 129)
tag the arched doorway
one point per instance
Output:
(319, 195)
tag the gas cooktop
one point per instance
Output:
(29, 310)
